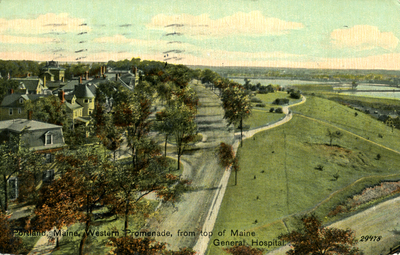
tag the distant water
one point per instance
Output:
(391, 95)
(281, 82)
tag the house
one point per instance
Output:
(85, 97)
(13, 105)
(52, 72)
(30, 85)
(37, 136)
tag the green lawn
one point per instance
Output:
(259, 118)
(344, 117)
(278, 179)
(270, 97)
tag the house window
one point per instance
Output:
(19, 110)
(90, 100)
(13, 184)
(86, 100)
(48, 175)
(21, 100)
(49, 158)
(90, 112)
(10, 111)
(48, 138)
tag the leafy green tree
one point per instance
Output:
(48, 109)
(6, 86)
(165, 126)
(183, 125)
(12, 164)
(236, 105)
(314, 238)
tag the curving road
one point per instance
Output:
(202, 243)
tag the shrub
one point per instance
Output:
(272, 109)
(295, 95)
(281, 101)
(256, 100)
(278, 110)
(260, 105)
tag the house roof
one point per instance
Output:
(18, 125)
(72, 106)
(11, 100)
(28, 83)
(83, 91)
(70, 85)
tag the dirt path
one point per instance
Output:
(203, 169)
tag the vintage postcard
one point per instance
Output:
(200, 127)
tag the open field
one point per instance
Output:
(279, 178)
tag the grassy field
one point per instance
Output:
(279, 178)
(259, 118)
(344, 117)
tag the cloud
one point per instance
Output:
(363, 37)
(48, 23)
(252, 23)
(25, 40)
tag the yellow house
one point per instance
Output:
(85, 97)
(13, 105)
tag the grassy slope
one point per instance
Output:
(290, 183)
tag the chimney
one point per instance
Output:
(61, 95)
(44, 80)
(80, 79)
(134, 70)
(105, 69)
(11, 91)
(28, 75)
(29, 115)
(63, 79)
(101, 71)
(116, 77)
(87, 75)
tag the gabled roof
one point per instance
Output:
(29, 83)
(83, 91)
(11, 100)
(18, 125)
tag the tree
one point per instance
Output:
(8, 242)
(227, 158)
(132, 183)
(11, 155)
(316, 239)
(72, 197)
(244, 250)
(48, 109)
(236, 105)
(164, 125)
(333, 135)
(183, 125)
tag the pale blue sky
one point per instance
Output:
(303, 33)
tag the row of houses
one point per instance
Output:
(78, 94)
